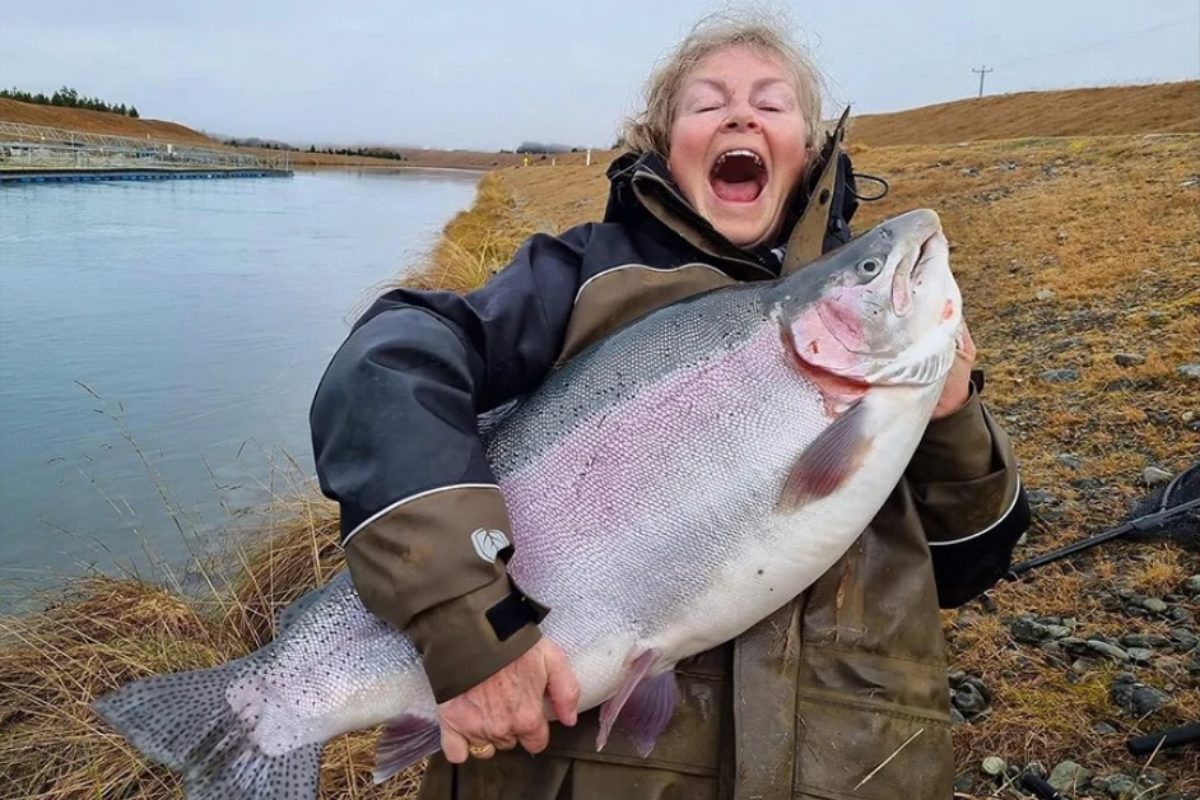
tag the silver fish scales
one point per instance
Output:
(668, 488)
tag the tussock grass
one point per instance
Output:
(1108, 224)
(477, 241)
(104, 632)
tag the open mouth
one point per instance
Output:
(738, 176)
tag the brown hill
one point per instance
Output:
(81, 119)
(78, 119)
(1111, 110)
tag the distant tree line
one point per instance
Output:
(373, 152)
(269, 144)
(545, 147)
(66, 97)
(254, 141)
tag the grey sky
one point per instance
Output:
(489, 75)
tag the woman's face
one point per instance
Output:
(737, 144)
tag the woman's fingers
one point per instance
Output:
(506, 743)
(482, 751)
(508, 708)
(454, 746)
(561, 686)
(534, 734)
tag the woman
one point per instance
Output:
(726, 180)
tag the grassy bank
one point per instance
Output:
(1068, 250)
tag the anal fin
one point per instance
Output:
(403, 742)
(642, 706)
(648, 710)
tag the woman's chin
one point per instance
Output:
(746, 224)
(742, 226)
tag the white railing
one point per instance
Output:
(35, 147)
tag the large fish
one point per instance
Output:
(668, 488)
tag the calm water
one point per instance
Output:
(160, 344)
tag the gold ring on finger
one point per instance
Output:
(481, 751)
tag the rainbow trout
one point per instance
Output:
(669, 487)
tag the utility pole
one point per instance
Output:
(982, 72)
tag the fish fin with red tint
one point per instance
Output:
(648, 710)
(403, 742)
(826, 464)
(611, 710)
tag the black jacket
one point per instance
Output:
(394, 420)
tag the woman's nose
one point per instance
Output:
(741, 117)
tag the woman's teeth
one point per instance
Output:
(738, 176)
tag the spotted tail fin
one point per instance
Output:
(187, 722)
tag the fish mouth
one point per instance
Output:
(738, 175)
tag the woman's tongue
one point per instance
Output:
(736, 191)
(736, 181)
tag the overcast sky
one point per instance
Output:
(486, 74)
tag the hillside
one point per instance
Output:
(81, 119)
(78, 119)
(1110, 110)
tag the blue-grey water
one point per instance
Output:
(160, 344)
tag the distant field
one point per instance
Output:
(78, 119)
(1110, 110)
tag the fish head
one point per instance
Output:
(882, 309)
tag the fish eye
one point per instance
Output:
(869, 267)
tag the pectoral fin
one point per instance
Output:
(828, 461)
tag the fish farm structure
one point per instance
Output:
(34, 154)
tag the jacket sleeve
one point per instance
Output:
(970, 500)
(424, 526)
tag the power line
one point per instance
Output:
(1100, 43)
(982, 72)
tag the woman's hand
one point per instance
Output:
(958, 383)
(507, 709)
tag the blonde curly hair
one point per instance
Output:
(649, 130)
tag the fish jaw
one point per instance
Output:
(882, 309)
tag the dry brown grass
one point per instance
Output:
(1107, 223)
(1109, 110)
(477, 241)
(82, 119)
(104, 632)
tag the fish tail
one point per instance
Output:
(189, 722)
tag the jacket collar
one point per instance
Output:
(640, 185)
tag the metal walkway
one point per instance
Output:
(91, 175)
(34, 149)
